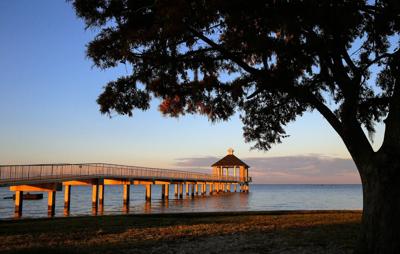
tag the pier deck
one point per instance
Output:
(52, 177)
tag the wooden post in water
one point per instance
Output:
(187, 189)
(163, 191)
(148, 192)
(192, 190)
(51, 203)
(95, 197)
(176, 189)
(197, 189)
(180, 190)
(166, 191)
(67, 199)
(101, 197)
(18, 203)
(211, 188)
(101, 194)
(126, 195)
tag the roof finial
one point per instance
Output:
(230, 151)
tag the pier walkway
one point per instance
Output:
(51, 178)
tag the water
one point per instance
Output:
(262, 197)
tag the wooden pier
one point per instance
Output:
(52, 178)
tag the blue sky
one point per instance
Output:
(49, 113)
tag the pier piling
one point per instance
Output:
(166, 191)
(67, 198)
(101, 195)
(18, 203)
(95, 197)
(126, 194)
(163, 191)
(148, 192)
(180, 190)
(51, 203)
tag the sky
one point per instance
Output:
(49, 114)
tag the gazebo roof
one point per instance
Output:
(230, 161)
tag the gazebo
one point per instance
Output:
(231, 165)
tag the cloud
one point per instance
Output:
(200, 162)
(311, 168)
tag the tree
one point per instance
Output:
(271, 61)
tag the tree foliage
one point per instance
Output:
(271, 60)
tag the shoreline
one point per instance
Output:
(297, 231)
(186, 214)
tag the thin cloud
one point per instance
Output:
(311, 168)
(200, 162)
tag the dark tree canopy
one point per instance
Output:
(272, 61)
(282, 58)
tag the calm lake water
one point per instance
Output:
(262, 197)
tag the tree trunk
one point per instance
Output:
(380, 228)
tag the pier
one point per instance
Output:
(228, 174)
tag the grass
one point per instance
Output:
(247, 232)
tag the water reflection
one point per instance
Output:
(261, 197)
(101, 209)
(125, 208)
(147, 206)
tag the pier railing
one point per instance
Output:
(13, 174)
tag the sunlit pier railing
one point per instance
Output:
(21, 174)
(51, 178)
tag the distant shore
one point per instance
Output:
(222, 232)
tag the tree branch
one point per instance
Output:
(379, 58)
(225, 52)
(356, 70)
(256, 92)
(310, 98)
(374, 101)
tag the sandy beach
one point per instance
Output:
(230, 232)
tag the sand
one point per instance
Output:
(247, 232)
